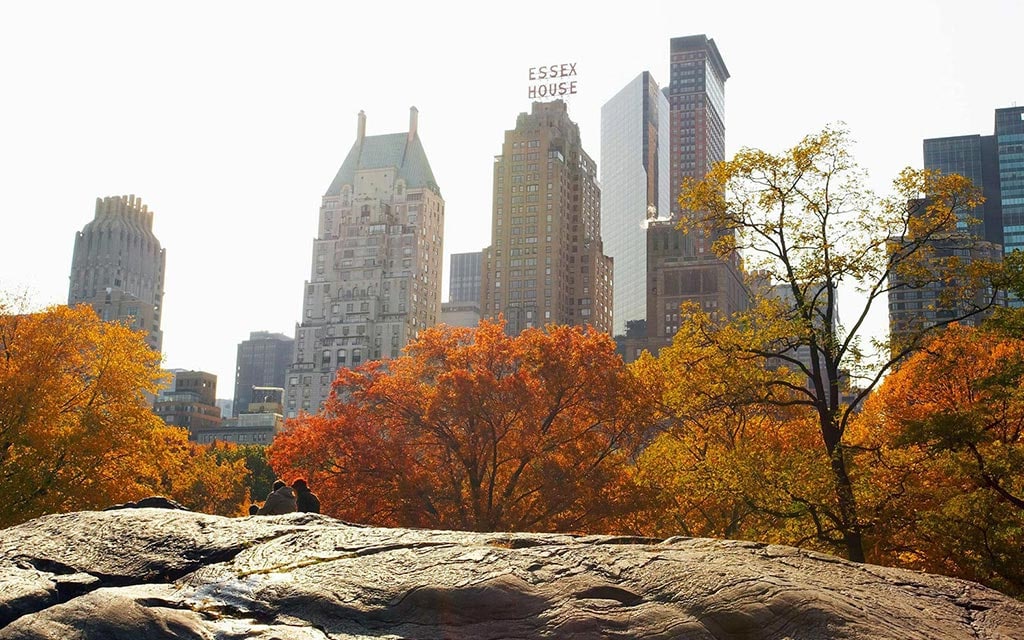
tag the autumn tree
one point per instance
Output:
(806, 225)
(76, 431)
(948, 426)
(476, 430)
(211, 478)
(260, 477)
(735, 457)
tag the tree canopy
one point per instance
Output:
(76, 431)
(473, 429)
(806, 225)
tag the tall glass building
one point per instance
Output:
(1010, 147)
(996, 166)
(634, 188)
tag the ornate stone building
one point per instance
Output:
(375, 279)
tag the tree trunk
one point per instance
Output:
(847, 507)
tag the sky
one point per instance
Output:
(229, 119)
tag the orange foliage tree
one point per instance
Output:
(75, 429)
(948, 429)
(476, 430)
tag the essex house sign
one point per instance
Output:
(552, 81)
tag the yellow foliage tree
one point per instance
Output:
(76, 431)
(804, 222)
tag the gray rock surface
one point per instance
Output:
(160, 573)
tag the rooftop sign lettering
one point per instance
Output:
(551, 81)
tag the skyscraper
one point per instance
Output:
(463, 306)
(261, 362)
(635, 188)
(118, 266)
(546, 261)
(464, 278)
(993, 163)
(1010, 147)
(376, 266)
(973, 157)
(683, 267)
(696, 96)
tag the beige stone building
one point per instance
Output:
(375, 279)
(118, 266)
(546, 262)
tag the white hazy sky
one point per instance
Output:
(230, 119)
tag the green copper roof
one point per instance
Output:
(393, 150)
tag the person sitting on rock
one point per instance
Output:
(305, 499)
(280, 500)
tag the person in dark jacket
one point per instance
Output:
(281, 500)
(305, 499)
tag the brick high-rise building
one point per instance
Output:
(684, 267)
(376, 266)
(190, 401)
(118, 266)
(696, 96)
(546, 261)
(261, 362)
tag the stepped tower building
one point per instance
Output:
(118, 266)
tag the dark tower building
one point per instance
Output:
(261, 362)
(464, 279)
(118, 266)
(995, 164)
(973, 157)
(546, 262)
(696, 96)
(1010, 148)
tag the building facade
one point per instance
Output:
(1010, 149)
(635, 181)
(261, 361)
(995, 164)
(681, 266)
(375, 280)
(118, 266)
(915, 307)
(258, 423)
(696, 96)
(546, 262)
(464, 277)
(189, 402)
(973, 157)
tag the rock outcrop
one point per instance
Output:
(160, 573)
